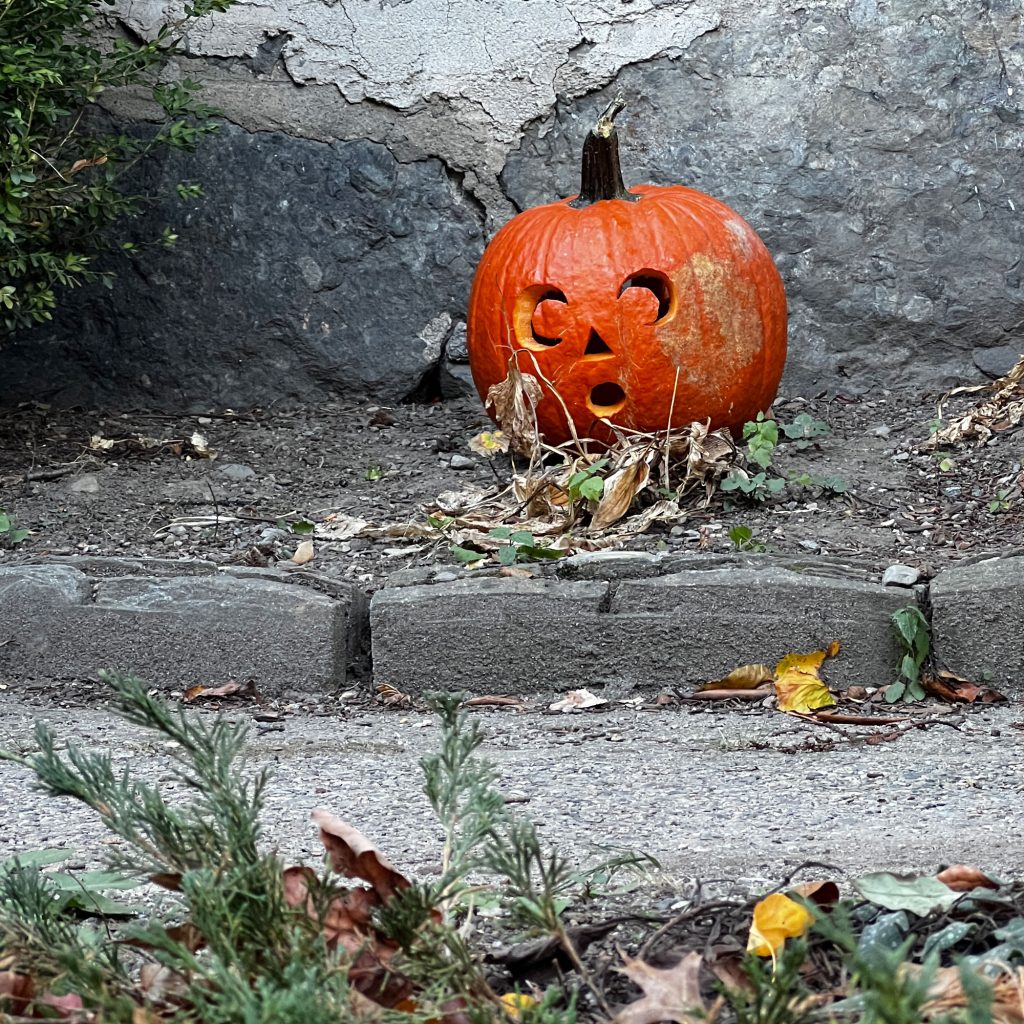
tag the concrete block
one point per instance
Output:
(491, 635)
(175, 631)
(515, 636)
(978, 622)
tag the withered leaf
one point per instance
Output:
(513, 402)
(670, 994)
(620, 490)
(963, 878)
(354, 856)
(797, 683)
(232, 688)
(746, 677)
(577, 700)
(304, 553)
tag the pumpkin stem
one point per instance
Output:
(602, 176)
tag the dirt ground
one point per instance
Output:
(902, 503)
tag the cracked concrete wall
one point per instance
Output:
(371, 146)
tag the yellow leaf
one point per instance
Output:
(489, 443)
(515, 1002)
(797, 683)
(746, 677)
(776, 918)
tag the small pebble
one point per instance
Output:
(462, 462)
(900, 576)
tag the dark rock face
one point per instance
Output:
(306, 269)
(874, 144)
(877, 154)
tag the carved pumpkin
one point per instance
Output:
(640, 307)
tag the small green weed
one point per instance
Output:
(805, 430)
(1002, 502)
(515, 546)
(913, 633)
(374, 473)
(587, 484)
(742, 538)
(762, 437)
(10, 533)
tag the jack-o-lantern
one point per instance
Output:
(647, 308)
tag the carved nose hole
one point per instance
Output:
(653, 282)
(596, 346)
(606, 399)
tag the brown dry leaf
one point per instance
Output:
(513, 402)
(160, 983)
(946, 994)
(1004, 409)
(16, 991)
(963, 878)
(822, 894)
(710, 456)
(81, 165)
(671, 994)
(746, 677)
(516, 572)
(492, 701)
(620, 491)
(347, 922)
(354, 856)
(797, 683)
(957, 690)
(304, 553)
(577, 700)
(231, 688)
(392, 696)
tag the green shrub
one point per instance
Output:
(62, 184)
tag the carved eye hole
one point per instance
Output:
(540, 317)
(649, 293)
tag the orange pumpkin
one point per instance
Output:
(640, 307)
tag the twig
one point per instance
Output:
(679, 919)
(757, 694)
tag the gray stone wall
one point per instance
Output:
(371, 148)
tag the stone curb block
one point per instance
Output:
(978, 621)
(60, 623)
(508, 635)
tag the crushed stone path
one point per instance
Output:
(741, 794)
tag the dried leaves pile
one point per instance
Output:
(1001, 409)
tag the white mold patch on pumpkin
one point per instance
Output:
(742, 233)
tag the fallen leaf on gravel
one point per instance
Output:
(488, 700)
(746, 677)
(918, 895)
(577, 700)
(670, 994)
(1003, 410)
(516, 572)
(354, 856)
(958, 690)
(776, 918)
(514, 1003)
(392, 696)
(489, 443)
(962, 878)
(797, 683)
(232, 688)
(304, 553)
(821, 894)
(947, 999)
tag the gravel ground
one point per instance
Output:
(743, 794)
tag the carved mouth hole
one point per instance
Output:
(555, 296)
(596, 345)
(653, 282)
(606, 399)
